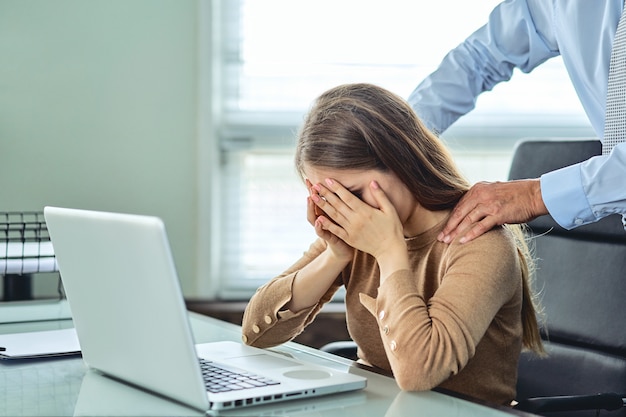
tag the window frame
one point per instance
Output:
(222, 133)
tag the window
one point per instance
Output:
(276, 56)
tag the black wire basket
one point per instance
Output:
(25, 246)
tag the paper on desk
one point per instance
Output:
(39, 344)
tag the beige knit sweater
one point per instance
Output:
(452, 321)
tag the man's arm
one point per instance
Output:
(586, 192)
(517, 35)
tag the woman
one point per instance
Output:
(381, 188)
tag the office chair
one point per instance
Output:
(581, 282)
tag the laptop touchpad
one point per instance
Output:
(261, 361)
(308, 374)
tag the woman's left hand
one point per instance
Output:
(374, 230)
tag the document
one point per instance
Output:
(39, 344)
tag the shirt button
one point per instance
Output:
(381, 315)
(268, 319)
(256, 329)
(393, 345)
(578, 221)
(244, 338)
(386, 329)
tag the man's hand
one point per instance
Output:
(489, 204)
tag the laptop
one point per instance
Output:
(132, 324)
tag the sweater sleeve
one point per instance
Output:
(266, 320)
(427, 341)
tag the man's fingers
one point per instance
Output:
(478, 229)
(458, 220)
(463, 226)
(472, 226)
(476, 221)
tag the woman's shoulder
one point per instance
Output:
(498, 245)
(499, 236)
(492, 257)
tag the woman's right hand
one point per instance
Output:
(339, 249)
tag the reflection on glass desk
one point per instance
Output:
(64, 387)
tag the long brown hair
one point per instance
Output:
(362, 126)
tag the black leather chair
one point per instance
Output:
(581, 281)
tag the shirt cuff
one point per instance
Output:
(564, 196)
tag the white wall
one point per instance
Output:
(98, 110)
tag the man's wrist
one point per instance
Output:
(539, 205)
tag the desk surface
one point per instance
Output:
(64, 387)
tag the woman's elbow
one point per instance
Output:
(411, 382)
(414, 378)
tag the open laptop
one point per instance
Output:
(132, 323)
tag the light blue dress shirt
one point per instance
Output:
(523, 34)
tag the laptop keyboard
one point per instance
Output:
(220, 379)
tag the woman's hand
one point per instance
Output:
(339, 249)
(374, 230)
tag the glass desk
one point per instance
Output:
(63, 386)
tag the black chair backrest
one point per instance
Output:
(581, 282)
